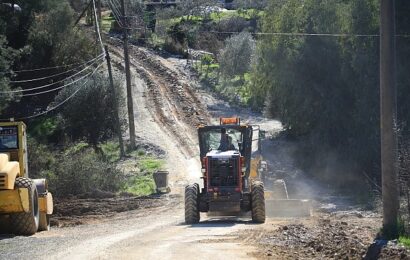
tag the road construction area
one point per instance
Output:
(169, 104)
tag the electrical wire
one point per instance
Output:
(297, 34)
(61, 103)
(115, 9)
(346, 35)
(50, 76)
(118, 17)
(55, 67)
(61, 87)
(48, 85)
(98, 26)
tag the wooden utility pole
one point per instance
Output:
(117, 114)
(99, 12)
(128, 79)
(388, 118)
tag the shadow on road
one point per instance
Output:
(374, 250)
(216, 222)
(6, 236)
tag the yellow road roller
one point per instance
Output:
(25, 204)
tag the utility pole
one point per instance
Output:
(388, 119)
(128, 79)
(99, 12)
(117, 114)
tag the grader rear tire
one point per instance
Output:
(191, 204)
(26, 223)
(258, 202)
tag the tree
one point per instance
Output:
(250, 4)
(90, 114)
(200, 8)
(323, 89)
(53, 41)
(236, 57)
(6, 59)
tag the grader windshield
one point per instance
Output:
(8, 137)
(211, 139)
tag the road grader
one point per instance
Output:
(233, 176)
(25, 204)
(227, 186)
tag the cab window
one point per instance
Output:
(8, 137)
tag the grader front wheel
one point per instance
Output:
(191, 204)
(258, 202)
(26, 223)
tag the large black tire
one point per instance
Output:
(258, 202)
(192, 204)
(26, 223)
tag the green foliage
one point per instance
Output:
(149, 165)
(84, 171)
(110, 150)
(44, 128)
(7, 55)
(323, 89)
(53, 40)
(142, 183)
(41, 159)
(91, 115)
(405, 241)
(176, 42)
(76, 170)
(236, 57)
(41, 35)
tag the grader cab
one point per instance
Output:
(25, 204)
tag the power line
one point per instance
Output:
(55, 89)
(61, 103)
(48, 85)
(98, 27)
(118, 17)
(50, 76)
(296, 34)
(54, 67)
(308, 34)
(115, 13)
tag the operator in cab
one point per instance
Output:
(225, 142)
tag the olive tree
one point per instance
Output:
(236, 58)
(90, 114)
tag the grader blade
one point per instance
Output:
(288, 208)
(278, 203)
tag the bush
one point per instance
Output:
(91, 114)
(76, 170)
(84, 171)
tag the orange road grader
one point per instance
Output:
(233, 174)
(226, 168)
(25, 204)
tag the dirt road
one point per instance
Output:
(168, 106)
(167, 109)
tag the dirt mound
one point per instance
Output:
(325, 237)
(76, 211)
